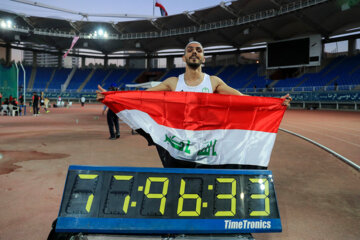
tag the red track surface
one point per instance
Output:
(318, 195)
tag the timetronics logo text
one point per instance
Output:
(246, 224)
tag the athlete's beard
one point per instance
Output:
(193, 65)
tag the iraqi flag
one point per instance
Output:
(207, 128)
(162, 8)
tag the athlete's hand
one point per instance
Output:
(99, 95)
(287, 100)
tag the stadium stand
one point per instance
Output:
(43, 75)
(341, 73)
(78, 78)
(228, 73)
(172, 73)
(115, 76)
(243, 77)
(212, 70)
(130, 77)
(60, 77)
(97, 78)
(309, 90)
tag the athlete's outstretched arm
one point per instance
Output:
(99, 95)
(167, 85)
(223, 88)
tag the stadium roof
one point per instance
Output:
(237, 23)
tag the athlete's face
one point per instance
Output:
(194, 55)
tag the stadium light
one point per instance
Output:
(3, 24)
(6, 24)
(100, 33)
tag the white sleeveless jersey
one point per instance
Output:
(204, 86)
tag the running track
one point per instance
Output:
(318, 195)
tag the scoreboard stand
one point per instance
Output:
(166, 203)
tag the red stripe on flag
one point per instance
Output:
(201, 111)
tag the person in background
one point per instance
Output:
(42, 100)
(5, 106)
(21, 99)
(82, 100)
(21, 104)
(59, 101)
(35, 104)
(15, 104)
(46, 105)
(112, 119)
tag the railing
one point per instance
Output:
(301, 89)
(38, 90)
(244, 90)
(321, 93)
(313, 105)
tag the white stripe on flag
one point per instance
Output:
(215, 147)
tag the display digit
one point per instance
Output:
(127, 197)
(161, 195)
(119, 190)
(230, 196)
(264, 185)
(82, 194)
(183, 196)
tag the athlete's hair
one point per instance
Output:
(191, 43)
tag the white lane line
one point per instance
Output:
(339, 139)
(337, 126)
(332, 128)
(344, 159)
(333, 125)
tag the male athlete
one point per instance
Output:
(193, 80)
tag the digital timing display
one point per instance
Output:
(160, 200)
